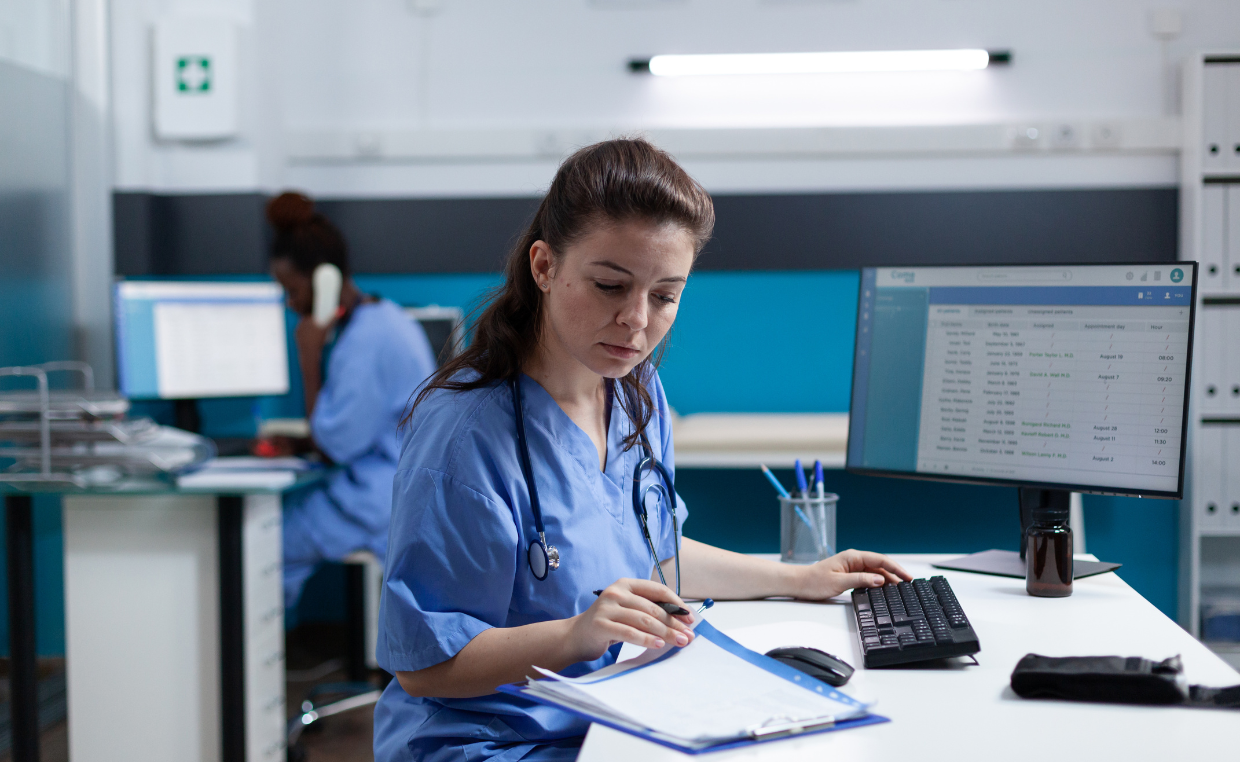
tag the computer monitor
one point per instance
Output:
(1065, 378)
(187, 340)
(443, 327)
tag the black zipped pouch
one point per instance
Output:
(1116, 680)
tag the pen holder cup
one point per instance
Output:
(807, 528)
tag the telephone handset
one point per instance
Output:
(327, 282)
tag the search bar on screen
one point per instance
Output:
(1025, 276)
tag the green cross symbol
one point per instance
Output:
(194, 74)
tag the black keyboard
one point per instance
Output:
(911, 621)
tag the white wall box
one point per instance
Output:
(195, 79)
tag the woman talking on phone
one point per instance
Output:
(360, 358)
(537, 467)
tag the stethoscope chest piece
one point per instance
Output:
(543, 558)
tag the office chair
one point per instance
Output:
(363, 578)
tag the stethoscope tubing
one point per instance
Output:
(549, 554)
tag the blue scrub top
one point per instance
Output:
(380, 357)
(456, 561)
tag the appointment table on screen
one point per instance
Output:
(1080, 383)
(969, 712)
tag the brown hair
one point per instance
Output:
(304, 236)
(612, 181)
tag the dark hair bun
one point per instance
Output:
(290, 210)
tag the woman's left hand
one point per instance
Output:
(845, 571)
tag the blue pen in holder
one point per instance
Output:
(807, 528)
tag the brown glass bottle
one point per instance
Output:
(1048, 554)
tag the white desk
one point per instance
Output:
(174, 621)
(969, 713)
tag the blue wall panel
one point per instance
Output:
(732, 331)
(763, 342)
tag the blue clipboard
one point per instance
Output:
(704, 629)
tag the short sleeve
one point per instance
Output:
(450, 568)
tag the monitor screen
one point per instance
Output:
(181, 340)
(1063, 377)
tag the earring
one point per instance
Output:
(543, 286)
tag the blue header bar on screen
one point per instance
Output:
(1135, 296)
(861, 366)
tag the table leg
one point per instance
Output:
(232, 628)
(23, 675)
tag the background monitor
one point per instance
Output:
(182, 340)
(443, 327)
(1071, 377)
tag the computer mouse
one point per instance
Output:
(817, 664)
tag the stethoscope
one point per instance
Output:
(544, 558)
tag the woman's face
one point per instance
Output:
(298, 288)
(613, 294)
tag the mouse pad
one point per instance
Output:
(1007, 563)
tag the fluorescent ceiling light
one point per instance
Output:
(819, 63)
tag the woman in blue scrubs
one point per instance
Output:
(357, 373)
(570, 343)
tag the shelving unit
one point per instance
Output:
(1210, 234)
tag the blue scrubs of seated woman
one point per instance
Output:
(555, 404)
(358, 372)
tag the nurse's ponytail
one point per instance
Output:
(613, 181)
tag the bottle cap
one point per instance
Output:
(1048, 514)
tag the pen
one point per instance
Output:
(770, 477)
(820, 493)
(670, 608)
(802, 487)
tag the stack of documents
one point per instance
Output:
(711, 694)
(245, 473)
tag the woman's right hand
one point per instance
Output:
(627, 611)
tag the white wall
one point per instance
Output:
(365, 70)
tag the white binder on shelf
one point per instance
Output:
(1225, 344)
(1214, 91)
(1209, 351)
(1213, 278)
(1208, 476)
(1231, 236)
(1229, 487)
(1232, 146)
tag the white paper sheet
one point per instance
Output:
(704, 692)
(215, 480)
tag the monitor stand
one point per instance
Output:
(1010, 563)
(186, 416)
